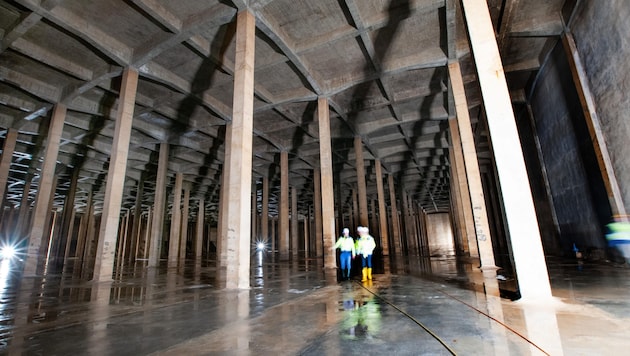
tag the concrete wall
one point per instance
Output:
(536, 172)
(601, 30)
(577, 191)
(440, 234)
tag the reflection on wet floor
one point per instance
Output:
(421, 306)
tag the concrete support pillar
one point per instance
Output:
(408, 233)
(240, 163)
(273, 233)
(157, 223)
(176, 221)
(49, 228)
(183, 236)
(394, 215)
(65, 236)
(294, 222)
(5, 161)
(283, 218)
(89, 239)
(123, 237)
(147, 233)
(83, 226)
(33, 261)
(23, 215)
(361, 185)
(69, 234)
(356, 221)
(224, 203)
(201, 214)
(594, 126)
(457, 210)
(137, 221)
(479, 211)
(307, 247)
(522, 224)
(317, 201)
(264, 218)
(382, 213)
(106, 247)
(373, 223)
(328, 203)
(461, 180)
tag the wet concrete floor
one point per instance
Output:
(420, 306)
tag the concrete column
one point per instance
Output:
(594, 126)
(294, 222)
(273, 233)
(69, 234)
(83, 226)
(5, 161)
(457, 214)
(264, 218)
(121, 242)
(356, 220)
(240, 164)
(23, 215)
(382, 213)
(361, 185)
(406, 222)
(306, 234)
(372, 222)
(157, 223)
(65, 237)
(328, 203)
(89, 239)
(49, 228)
(201, 214)
(147, 233)
(394, 215)
(176, 221)
(106, 247)
(479, 211)
(317, 201)
(41, 212)
(137, 221)
(461, 179)
(283, 218)
(224, 203)
(522, 224)
(183, 236)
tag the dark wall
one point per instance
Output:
(537, 175)
(577, 191)
(602, 35)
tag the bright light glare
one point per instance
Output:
(260, 245)
(7, 252)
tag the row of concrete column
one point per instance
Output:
(235, 223)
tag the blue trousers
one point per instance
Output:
(366, 261)
(346, 259)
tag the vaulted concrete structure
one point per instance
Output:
(156, 134)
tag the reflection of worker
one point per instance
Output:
(362, 319)
(618, 236)
(365, 248)
(346, 244)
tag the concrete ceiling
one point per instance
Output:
(382, 65)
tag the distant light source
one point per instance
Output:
(7, 252)
(260, 246)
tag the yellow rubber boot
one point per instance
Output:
(369, 273)
(364, 272)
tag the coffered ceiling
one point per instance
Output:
(381, 64)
